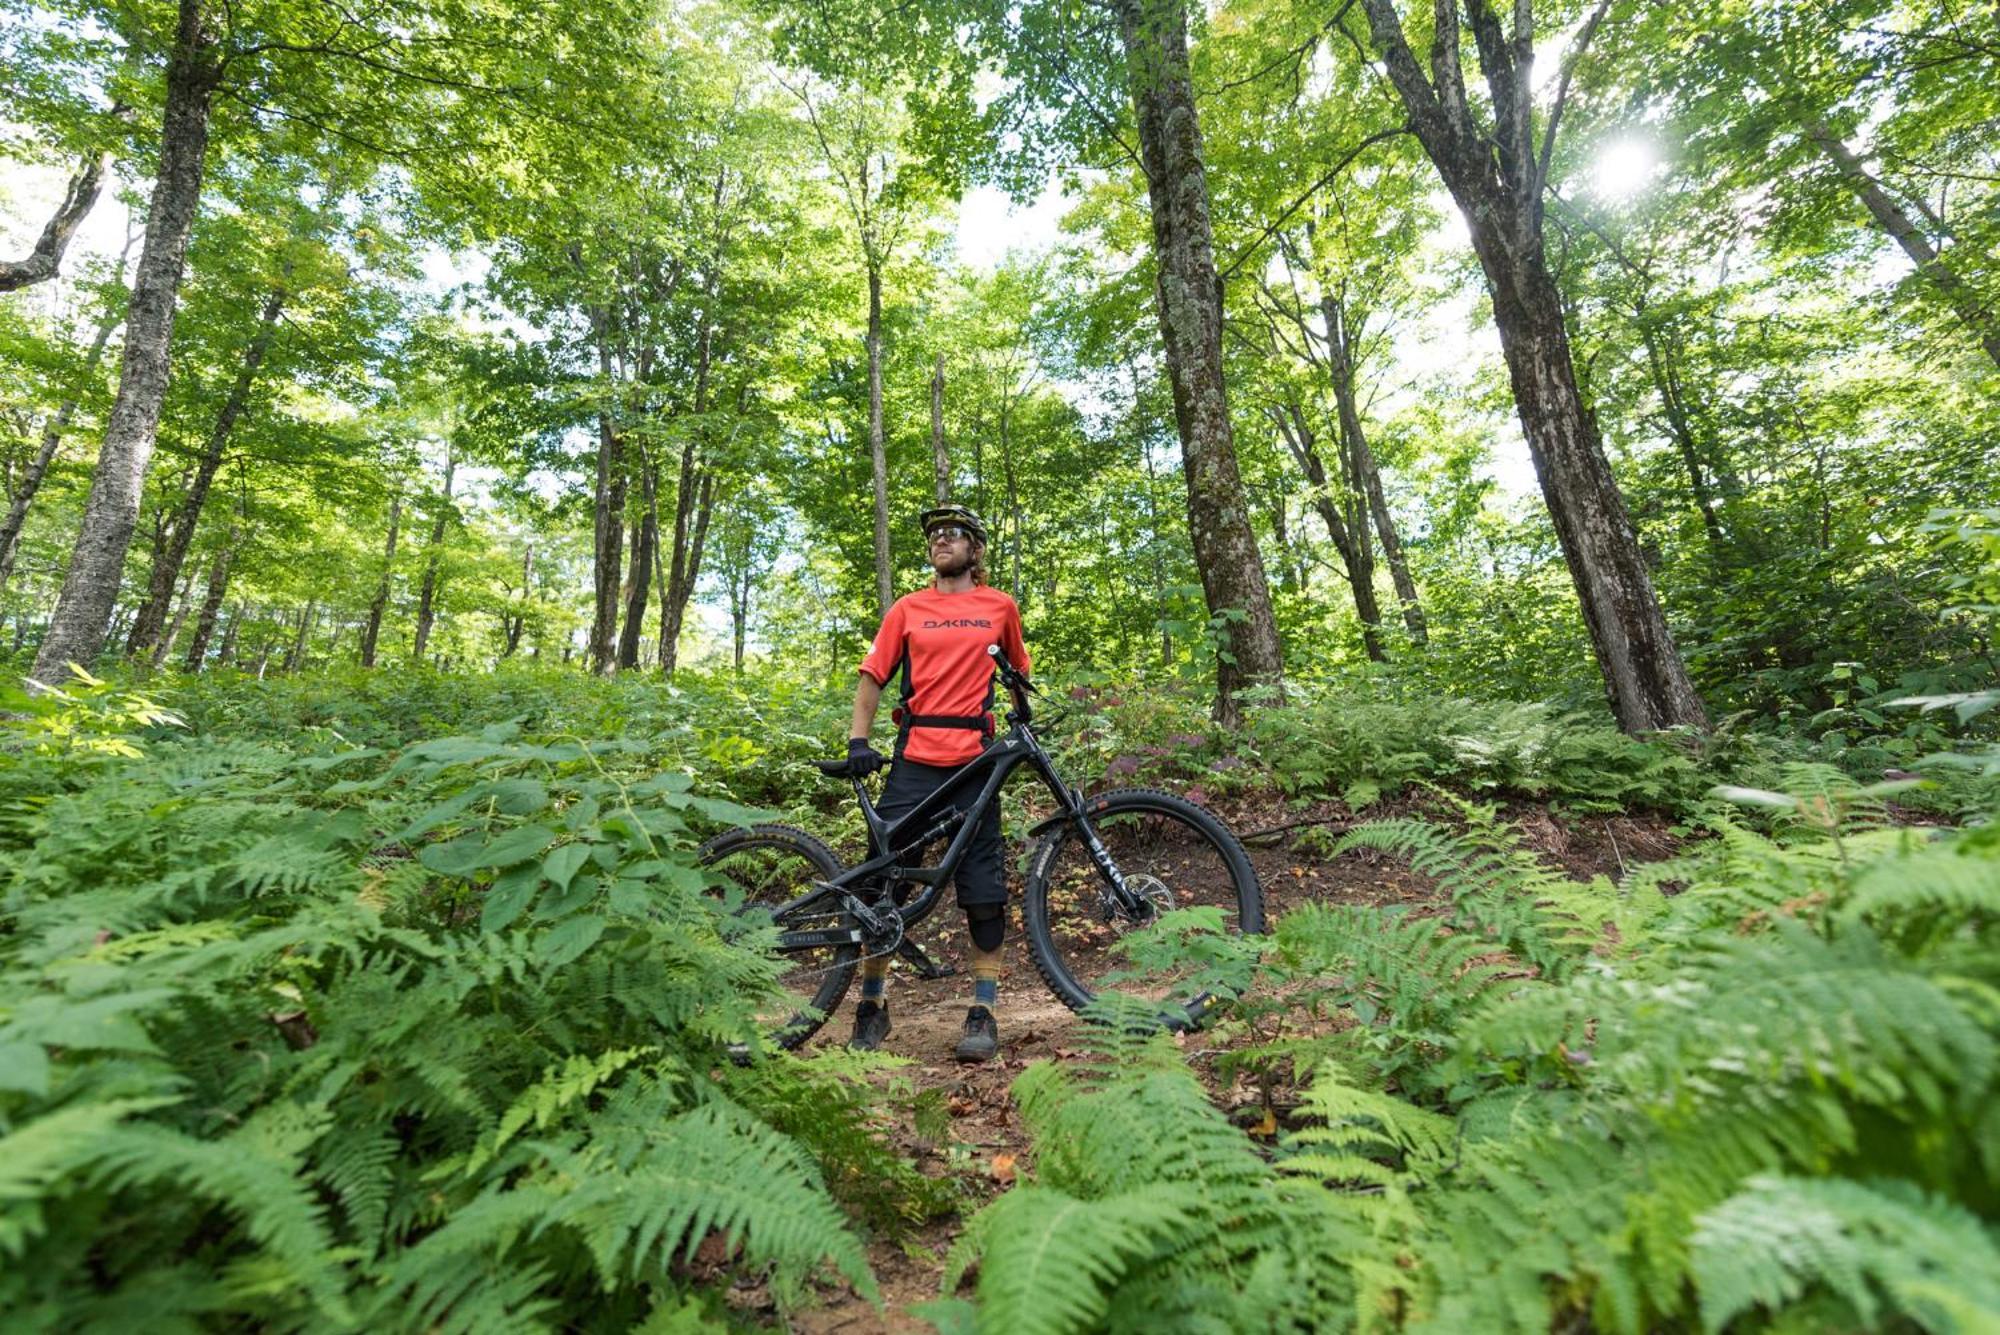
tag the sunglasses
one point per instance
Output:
(948, 532)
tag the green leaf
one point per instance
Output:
(631, 898)
(457, 857)
(515, 845)
(570, 939)
(24, 1067)
(519, 797)
(508, 897)
(562, 863)
(432, 817)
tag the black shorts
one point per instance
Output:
(982, 875)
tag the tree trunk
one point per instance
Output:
(1188, 295)
(878, 455)
(1014, 525)
(427, 597)
(90, 587)
(45, 453)
(940, 461)
(739, 611)
(645, 538)
(166, 572)
(609, 520)
(211, 603)
(46, 258)
(296, 659)
(1349, 530)
(519, 620)
(1681, 428)
(181, 605)
(1365, 477)
(1963, 299)
(692, 508)
(1497, 181)
(372, 630)
(226, 655)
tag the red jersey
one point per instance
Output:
(943, 639)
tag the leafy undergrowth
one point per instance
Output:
(1751, 1087)
(431, 1036)
(396, 1002)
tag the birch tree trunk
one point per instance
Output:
(940, 461)
(1188, 296)
(427, 598)
(878, 455)
(90, 587)
(1497, 180)
(166, 571)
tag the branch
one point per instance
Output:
(1380, 136)
(1582, 45)
(43, 261)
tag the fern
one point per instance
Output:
(1881, 1247)
(1498, 888)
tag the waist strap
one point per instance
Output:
(972, 721)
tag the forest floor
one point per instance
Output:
(988, 1146)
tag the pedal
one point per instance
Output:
(925, 966)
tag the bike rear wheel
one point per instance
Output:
(1164, 846)
(771, 865)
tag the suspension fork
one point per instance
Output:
(1118, 897)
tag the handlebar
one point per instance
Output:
(1010, 676)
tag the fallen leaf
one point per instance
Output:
(1002, 1169)
(1267, 1126)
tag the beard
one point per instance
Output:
(953, 569)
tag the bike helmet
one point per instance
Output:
(953, 514)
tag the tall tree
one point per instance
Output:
(1497, 175)
(178, 530)
(1188, 296)
(859, 132)
(90, 588)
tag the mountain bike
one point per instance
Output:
(1098, 868)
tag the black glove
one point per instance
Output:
(862, 758)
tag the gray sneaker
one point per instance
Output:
(871, 1026)
(982, 1037)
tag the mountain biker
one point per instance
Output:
(936, 639)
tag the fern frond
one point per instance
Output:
(1881, 1247)
(1052, 1260)
(713, 1170)
(1498, 888)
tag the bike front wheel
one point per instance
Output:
(1169, 850)
(771, 865)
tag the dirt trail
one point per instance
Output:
(987, 1146)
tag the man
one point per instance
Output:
(937, 640)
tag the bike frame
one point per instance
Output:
(928, 822)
